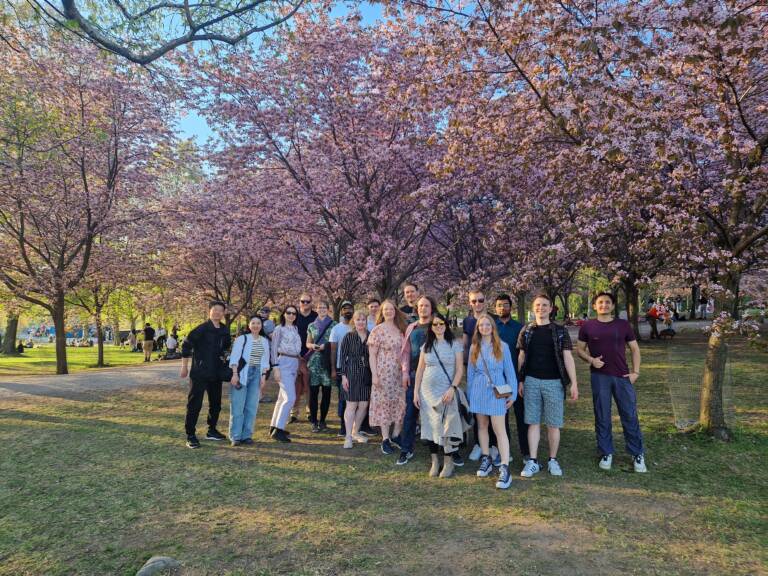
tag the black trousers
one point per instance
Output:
(522, 427)
(197, 389)
(325, 403)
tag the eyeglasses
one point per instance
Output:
(438, 324)
(478, 301)
(289, 313)
(305, 301)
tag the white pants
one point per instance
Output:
(289, 367)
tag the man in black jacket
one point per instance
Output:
(207, 345)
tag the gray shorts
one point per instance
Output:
(544, 402)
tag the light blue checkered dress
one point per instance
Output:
(482, 400)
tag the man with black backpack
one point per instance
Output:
(546, 368)
(207, 345)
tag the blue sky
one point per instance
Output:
(193, 126)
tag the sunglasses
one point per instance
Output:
(305, 301)
(438, 324)
(290, 313)
(478, 301)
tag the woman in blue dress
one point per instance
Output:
(490, 369)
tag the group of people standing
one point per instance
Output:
(400, 370)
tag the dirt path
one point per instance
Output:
(81, 383)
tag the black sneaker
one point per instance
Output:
(368, 431)
(323, 426)
(236, 443)
(404, 458)
(386, 447)
(396, 441)
(214, 434)
(280, 436)
(342, 432)
(248, 442)
(293, 420)
(192, 441)
(315, 427)
(457, 459)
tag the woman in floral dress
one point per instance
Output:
(387, 393)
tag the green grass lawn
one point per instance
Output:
(96, 484)
(42, 359)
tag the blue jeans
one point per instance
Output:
(408, 435)
(604, 388)
(243, 406)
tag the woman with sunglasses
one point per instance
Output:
(438, 376)
(285, 353)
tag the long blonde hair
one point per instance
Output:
(477, 339)
(400, 321)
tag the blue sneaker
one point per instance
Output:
(505, 478)
(386, 447)
(396, 442)
(486, 466)
(404, 458)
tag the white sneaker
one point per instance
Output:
(476, 453)
(606, 462)
(640, 464)
(348, 443)
(554, 467)
(530, 469)
(359, 438)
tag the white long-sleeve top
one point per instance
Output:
(247, 340)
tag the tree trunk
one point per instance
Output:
(61, 336)
(711, 412)
(99, 339)
(695, 295)
(11, 330)
(566, 308)
(632, 304)
(116, 331)
(522, 310)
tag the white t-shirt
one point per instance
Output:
(337, 335)
(171, 343)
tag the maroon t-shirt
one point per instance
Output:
(609, 340)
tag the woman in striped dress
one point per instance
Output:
(490, 364)
(355, 378)
(246, 385)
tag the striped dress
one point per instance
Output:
(482, 400)
(355, 366)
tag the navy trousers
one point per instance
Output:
(605, 389)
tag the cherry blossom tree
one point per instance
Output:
(324, 127)
(77, 141)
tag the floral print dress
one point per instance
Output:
(387, 395)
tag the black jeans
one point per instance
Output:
(197, 389)
(325, 403)
(522, 427)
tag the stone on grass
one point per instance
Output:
(159, 565)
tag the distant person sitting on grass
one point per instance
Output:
(602, 343)
(20, 347)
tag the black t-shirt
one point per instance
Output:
(149, 333)
(302, 325)
(541, 361)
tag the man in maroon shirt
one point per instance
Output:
(602, 343)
